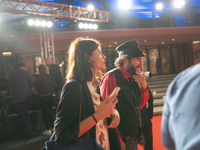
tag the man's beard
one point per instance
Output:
(130, 68)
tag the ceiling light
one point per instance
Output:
(163, 42)
(115, 42)
(145, 40)
(195, 42)
(173, 39)
(7, 53)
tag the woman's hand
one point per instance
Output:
(105, 109)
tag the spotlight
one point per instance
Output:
(81, 25)
(49, 24)
(179, 3)
(159, 6)
(124, 4)
(37, 23)
(43, 23)
(86, 26)
(90, 26)
(90, 7)
(95, 26)
(30, 22)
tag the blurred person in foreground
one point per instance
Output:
(134, 91)
(85, 60)
(54, 70)
(180, 117)
(20, 83)
(45, 85)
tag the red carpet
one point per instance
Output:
(157, 143)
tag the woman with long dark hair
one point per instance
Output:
(85, 60)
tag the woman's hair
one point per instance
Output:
(120, 62)
(78, 66)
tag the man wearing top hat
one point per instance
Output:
(134, 91)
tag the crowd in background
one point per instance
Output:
(41, 92)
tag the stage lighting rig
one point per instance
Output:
(40, 23)
(86, 26)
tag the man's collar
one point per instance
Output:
(124, 72)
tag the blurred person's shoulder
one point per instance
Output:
(191, 73)
(188, 77)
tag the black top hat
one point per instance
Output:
(130, 48)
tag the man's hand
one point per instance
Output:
(115, 119)
(123, 146)
(140, 79)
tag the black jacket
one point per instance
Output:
(129, 105)
(67, 117)
(54, 70)
(45, 84)
(148, 111)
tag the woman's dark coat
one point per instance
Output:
(67, 116)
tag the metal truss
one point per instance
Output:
(47, 44)
(62, 11)
(53, 11)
